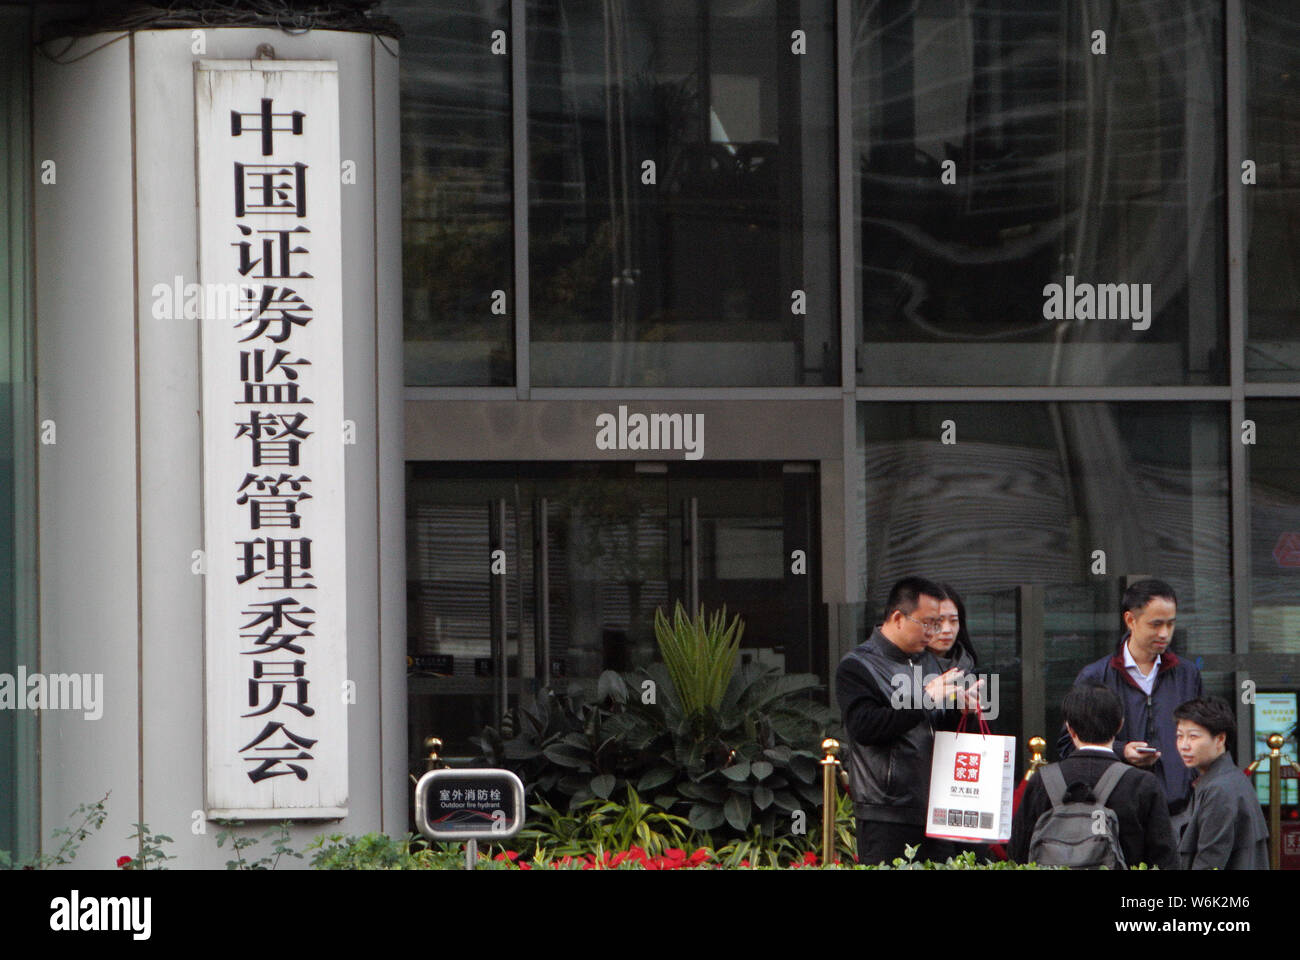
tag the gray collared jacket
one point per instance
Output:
(1225, 827)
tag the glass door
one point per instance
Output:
(534, 575)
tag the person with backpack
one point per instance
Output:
(1091, 810)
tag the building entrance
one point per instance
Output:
(524, 575)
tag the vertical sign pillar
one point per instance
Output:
(270, 266)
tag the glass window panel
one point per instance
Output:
(19, 733)
(451, 665)
(1029, 492)
(684, 275)
(1085, 170)
(1273, 201)
(457, 241)
(1274, 527)
(613, 555)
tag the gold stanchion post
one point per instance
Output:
(830, 766)
(433, 746)
(1274, 755)
(1275, 801)
(1036, 747)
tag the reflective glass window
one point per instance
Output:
(1039, 515)
(457, 242)
(1039, 195)
(19, 732)
(682, 193)
(1273, 199)
(1274, 527)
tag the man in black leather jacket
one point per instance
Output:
(893, 693)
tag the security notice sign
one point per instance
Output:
(271, 332)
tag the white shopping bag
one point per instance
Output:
(971, 783)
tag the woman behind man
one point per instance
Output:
(952, 647)
(952, 644)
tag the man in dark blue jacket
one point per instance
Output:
(1151, 681)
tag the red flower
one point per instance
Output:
(124, 863)
(507, 855)
(744, 863)
(524, 866)
(675, 853)
(810, 858)
(699, 856)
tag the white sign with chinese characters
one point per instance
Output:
(270, 265)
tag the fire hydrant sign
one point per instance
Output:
(275, 604)
(479, 804)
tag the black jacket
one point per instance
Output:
(1145, 833)
(1177, 682)
(1225, 827)
(891, 733)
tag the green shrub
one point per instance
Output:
(279, 834)
(700, 656)
(92, 818)
(377, 851)
(729, 762)
(596, 826)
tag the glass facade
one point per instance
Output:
(1045, 512)
(682, 193)
(589, 553)
(1273, 195)
(457, 257)
(1014, 216)
(1009, 147)
(18, 751)
(1274, 527)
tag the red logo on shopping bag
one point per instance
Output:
(967, 767)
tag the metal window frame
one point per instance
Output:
(519, 191)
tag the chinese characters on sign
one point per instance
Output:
(275, 603)
(464, 804)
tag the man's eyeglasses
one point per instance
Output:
(929, 626)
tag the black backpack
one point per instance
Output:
(1078, 835)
